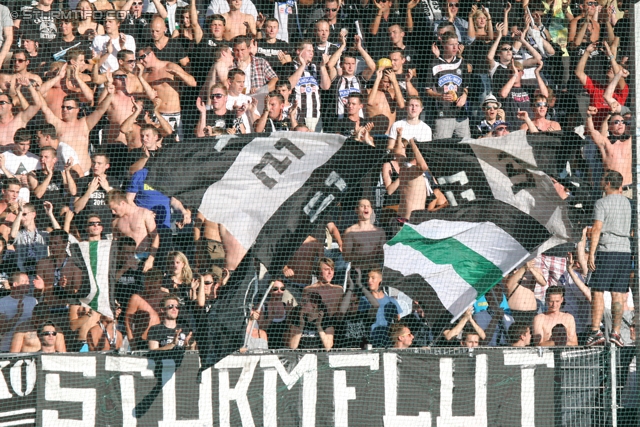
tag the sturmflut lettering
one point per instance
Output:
(344, 370)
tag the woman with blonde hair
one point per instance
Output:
(179, 272)
(480, 26)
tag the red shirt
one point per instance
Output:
(596, 95)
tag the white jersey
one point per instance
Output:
(282, 12)
(307, 92)
(22, 165)
(421, 132)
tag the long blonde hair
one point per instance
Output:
(186, 273)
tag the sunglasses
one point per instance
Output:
(541, 104)
(383, 1)
(592, 3)
(130, 61)
(172, 306)
(20, 61)
(617, 122)
(141, 57)
(68, 107)
(327, 9)
(94, 224)
(49, 334)
(490, 107)
(501, 129)
(505, 49)
(136, 3)
(4, 102)
(208, 283)
(217, 95)
(277, 289)
(453, 4)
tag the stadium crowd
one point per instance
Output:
(90, 91)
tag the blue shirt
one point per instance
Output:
(380, 320)
(147, 197)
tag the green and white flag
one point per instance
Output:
(446, 264)
(94, 259)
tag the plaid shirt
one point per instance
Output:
(261, 72)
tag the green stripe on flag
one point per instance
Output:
(93, 256)
(473, 268)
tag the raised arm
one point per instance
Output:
(597, 137)
(161, 10)
(85, 91)
(46, 86)
(35, 104)
(494, 47)
(295, 77)
(409, 18)
(7, 32)
(504, 92)
(543, 87)
(528, 124)
(611, 88)
(195, 25)
(202, 120)
(93, 118)
(396, 87)
(373, 94)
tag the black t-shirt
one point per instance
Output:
(269, 51)
(55, 49)
(131, 282)
(97, 203)
(500, 78)
(40, 23)
(138, 28)
(353, 330)
(224, 121)
(310, 339)
(277, 125)
(517, 99)
(165, 335)
(345, 127)
(203, 54)
(172, 52)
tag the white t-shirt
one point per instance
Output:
(421, 132)
(22, 165)
(99, 47)
(65, 152)
(239, 100)
(171, 12)
(218, 7)
(9, 308)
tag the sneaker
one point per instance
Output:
(596, 338)
(615, 338)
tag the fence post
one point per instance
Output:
(614, 384)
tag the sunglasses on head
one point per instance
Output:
(172, 306)
(541, 104)
(217, 95)
(49, 334)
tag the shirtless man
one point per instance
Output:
(331, 294)
(363, 242)
(131, 127)
(137, 223)
(75, 131)
(238, 23)
(412, 187)
(215, 245)
(615, 149)
(69, 79)
(9, 206)
(385, 97)
(164, 77)
(21, 62)
(544, 323)
(142, 310)
(126, 67)
(119, 110)
(34, 336)
(10, 123)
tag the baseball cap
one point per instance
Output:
(500, 123)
